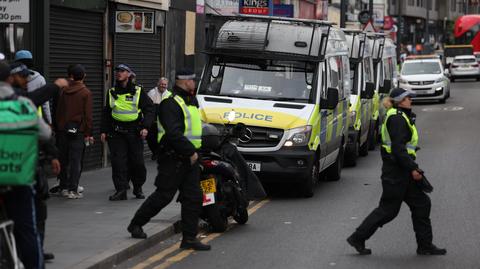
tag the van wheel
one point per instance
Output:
(308, 184)
(363, 150)
(452, 79)
(334, 172)
(350, 158)
(442, 101)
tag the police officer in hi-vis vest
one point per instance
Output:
(400, 175)
(178, 168)
(128, 114)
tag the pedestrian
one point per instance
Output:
(35, 80)
(73, 126)
(400, 174)
(19, 201)
(178, 167)
(157, 94)
(128, 114)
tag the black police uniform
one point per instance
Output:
(174, 170)
(126, 144)
(398, 186)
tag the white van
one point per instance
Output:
(288, 81)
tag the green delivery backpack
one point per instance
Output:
(18, 142)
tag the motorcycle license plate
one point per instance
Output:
(208, 186)
(256, 167)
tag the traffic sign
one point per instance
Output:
(369, 27)
(364, 17)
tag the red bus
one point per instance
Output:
(467, 31)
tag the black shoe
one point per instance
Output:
(48, 256)
(194, 244)
(136, 231)
(359, 246)
(138, 193)
(119, 195)
(431, 250)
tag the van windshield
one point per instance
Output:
(421, 68)
(260, 79)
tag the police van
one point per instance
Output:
(288, 81)
(361, 98)
(385, 70)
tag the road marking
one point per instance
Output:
(438, 109)
(454, 108)
(185, 253)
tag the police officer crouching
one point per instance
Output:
(178, 168)
(127, 116)
(400, 175)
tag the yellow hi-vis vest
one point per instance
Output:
(387, 142)
(40, 112)
(192, 122)
(125, 107)
(159, 126)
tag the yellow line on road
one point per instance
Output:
(185, 253)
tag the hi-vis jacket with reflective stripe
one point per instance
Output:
(160, 129)
(386, 140)
(125, 106)
(192, 122)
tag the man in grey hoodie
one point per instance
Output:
(35, 80)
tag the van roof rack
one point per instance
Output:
(422, 57)
(275, 18)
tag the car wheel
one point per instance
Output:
(334, 172)
(308, 184)
(351, 155)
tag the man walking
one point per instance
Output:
(128, 114)
(157, 94)
(74, 130)
(178, 167)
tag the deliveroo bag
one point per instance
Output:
(18, 142)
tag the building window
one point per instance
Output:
(453, 5)
(411, 2)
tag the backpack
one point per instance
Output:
(18, 142)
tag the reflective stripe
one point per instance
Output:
(125, 110)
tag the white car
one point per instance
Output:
(426, 77)
(465, 66)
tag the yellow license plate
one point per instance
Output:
(208, 185)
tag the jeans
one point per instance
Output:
(71, 148)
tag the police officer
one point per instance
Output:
(400, 174)
(178, 168)
(128, 114)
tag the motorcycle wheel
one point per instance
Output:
(216, 219)
(242, 216)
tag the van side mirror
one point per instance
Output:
(387, 86)
(332, 99)
(369, 91)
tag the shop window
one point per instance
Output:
(14, 37)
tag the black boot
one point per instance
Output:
(47, 256)
(359, 245)
(138, 193)
(136, 231)
(194, 244)
(431, 250)
(119, 195)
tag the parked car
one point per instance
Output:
(426, 77)
(465, 66)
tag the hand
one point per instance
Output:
(416, 175)
(103, 137)
(90, 140)
(61, 83)
(193, 158)
(144, 133)
(56, 167)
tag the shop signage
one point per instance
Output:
(17, 11)
(283, 11)
(222, 7)
(142, 22)
(256, 7)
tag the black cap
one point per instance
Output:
(397, 94)
(185, 74)
(76, 71)
(19, 68)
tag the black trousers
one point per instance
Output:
(174, 175)
(20, 208)
(152, 138)
(126, 151)
(71, 150)
(394, 193)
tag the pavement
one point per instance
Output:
(91, 232)
(291, 232)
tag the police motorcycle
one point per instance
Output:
(224, 189)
